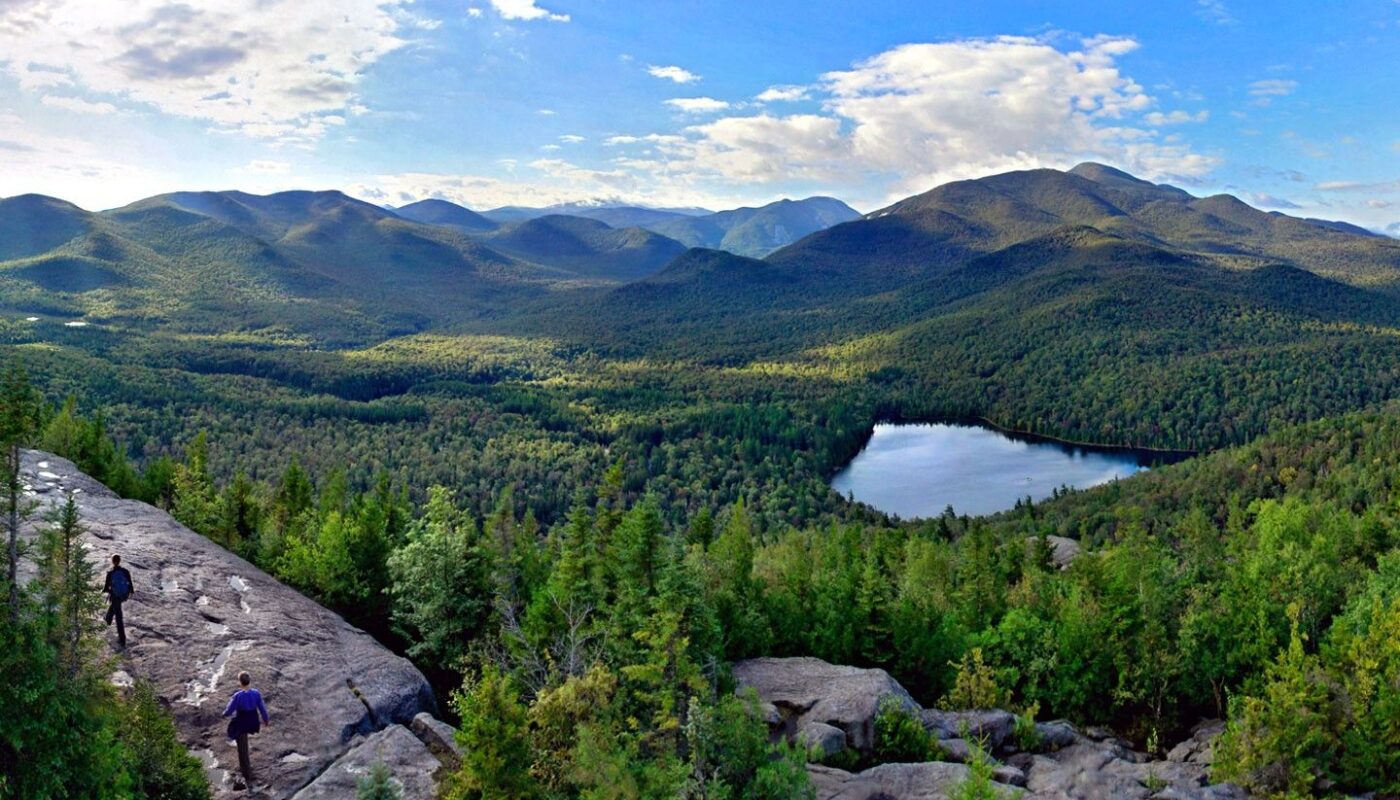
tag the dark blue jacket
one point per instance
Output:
(245, 706)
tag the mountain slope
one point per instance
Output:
(587, 248)
(755, 232)
(441, 212)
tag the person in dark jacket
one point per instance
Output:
(118, 588)
(246, 706)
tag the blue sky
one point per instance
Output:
(489, 102)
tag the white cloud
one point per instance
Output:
(697, 105)
(1274, 87)
(546, 112)
(923, 114)
(1214, 11)
(64, 166)
(775, 94)
(474, 12)
(526, 10)
(1359, 186)
(267, 68)
(1175, 117)
(77, 105)
(571, 138)
(673, 73)
(1263, 200)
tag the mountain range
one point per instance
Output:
(324, 265)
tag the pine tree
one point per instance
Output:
(67, 578)
(18, 416)
(378, 784)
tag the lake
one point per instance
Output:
(917, 470)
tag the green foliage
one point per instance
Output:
(900, 736)
(378, 784)
(1281, 742)
(160, 766)
(975, 685)
(978, 785)
(441, 584)
(495, 740)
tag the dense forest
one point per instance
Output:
(574, 503)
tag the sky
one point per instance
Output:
(710, 103)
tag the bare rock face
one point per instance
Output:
(412, 766)
(200, 615)
(809, 690)
(934, 780)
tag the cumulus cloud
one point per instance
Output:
(776, 94)
(77, 105)
(526, 10)
(697, 105)
(266, 68)
(571, 138)
(889, 126)
(922, 114)
(673, 73)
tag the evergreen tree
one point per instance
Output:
(18, 417)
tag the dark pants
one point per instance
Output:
(114, 611)
(245, 765)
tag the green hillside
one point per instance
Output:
(587, 248)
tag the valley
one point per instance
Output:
(619, 419)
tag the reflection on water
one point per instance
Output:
(919, 470)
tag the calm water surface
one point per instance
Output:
(920, 469)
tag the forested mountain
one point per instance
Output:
(756, 232)
(586, 247)
(614, 215)
(751, 232)
(441, 212)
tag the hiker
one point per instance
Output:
(118, 589)
(246, 706)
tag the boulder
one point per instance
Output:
(412, 767)
(201, 614)
(1197, 749)
(991, 727)
(440, 738)
(807, 690)
(1057, 734)
(826, 739)
(1063, 550)
(1102, 771)
(934, 780)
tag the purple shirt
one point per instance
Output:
(246, 700)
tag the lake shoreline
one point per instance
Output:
(915, 469)
(1178, 455)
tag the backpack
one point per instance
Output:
(121, 585)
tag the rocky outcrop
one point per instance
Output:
(1062, 763)
(413, 766)
(200, 615)
(934, 780)
(814, 698)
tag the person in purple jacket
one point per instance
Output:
(246, 706)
